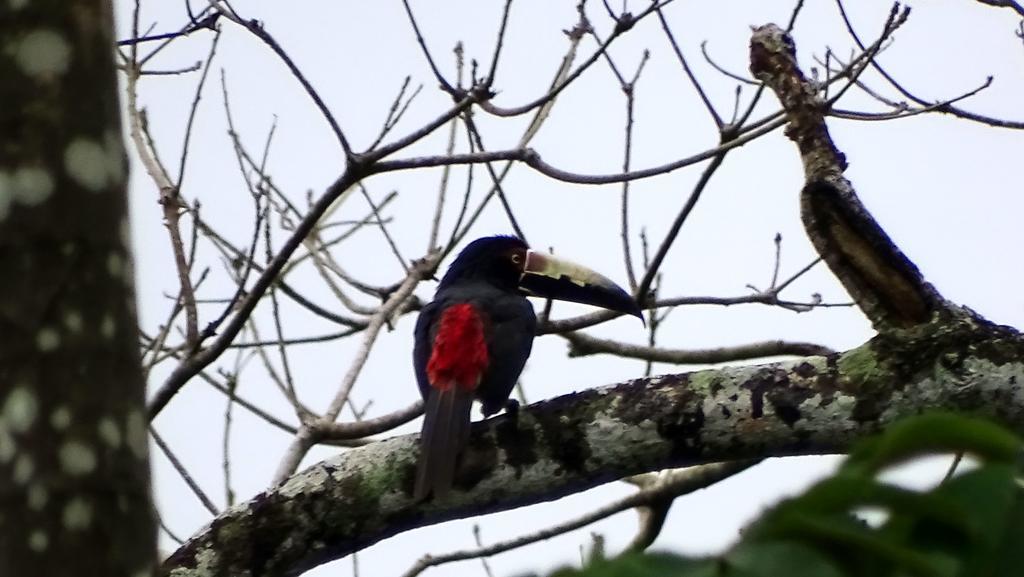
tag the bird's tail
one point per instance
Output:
(444, 435)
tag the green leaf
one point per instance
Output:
(1009, 556)
(838, 497)
(991, 497)
(848, 541)
(987, 495)
(779, 558)
(643, 565)
(931, 433)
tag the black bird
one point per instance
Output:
(473, 339)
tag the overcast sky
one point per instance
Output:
(947, 191)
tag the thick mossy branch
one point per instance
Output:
(882, 280)
(812, 405)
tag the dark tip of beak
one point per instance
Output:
(637, 312)
(608, 296)
(627, 304)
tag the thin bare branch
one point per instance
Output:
(183, 472)
(442, 191)
(583, 345)
(948, 109)
(623, 24)
(474, 134)
(383, 228)
(335, 431)
(683, 482)
(1015, 6)
(307, 434)
(793, 15)
(393, 113)
(532, 159)
(229, 493)
(595, 318)
(906, 112)
(189, 368)
(722, 70)
(170, 198)
(689, 73)
(538, 120)
(194, 108)
(445, 85)
(498, 44)
(256, 29)
(677, 224)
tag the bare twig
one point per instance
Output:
(284, 384)
(308, 433)
(583, 345)
(623, 23)
(722, 70)
(171, 72)
(498, 43)
(325, 266)
(394, 113)
(194, 108)
(383, 228)
(180, 468)
(534, 160)
(170, 198)
(906, 112)
(1015, 6)
(590, 319)
(480, 544)
(166, 529)
(233, 253)
(422, 269)
(575, 36)
(257, 30)
(189, 368)
(289, 382)
(365, 427)
(474, 134)
(677, 224)
(683, 482)
(629, 89)
(948, 109)
(793, 15)
(445, 85)
(229, 493)
(689, 73)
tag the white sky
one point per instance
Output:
(947, 191)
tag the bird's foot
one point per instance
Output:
(512, 410)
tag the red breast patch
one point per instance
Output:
(459, 356)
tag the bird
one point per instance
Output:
(472, 340)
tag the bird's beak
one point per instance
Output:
(547, 276)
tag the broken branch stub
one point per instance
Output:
(885, 284)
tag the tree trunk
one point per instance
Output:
(74, 472)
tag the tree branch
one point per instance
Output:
(581, 345)
(665, 489)
(571, 443)
(882, 280)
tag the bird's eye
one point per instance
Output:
(517, 259)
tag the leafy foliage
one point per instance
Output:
(971, 525)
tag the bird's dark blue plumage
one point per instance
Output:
(473, 339)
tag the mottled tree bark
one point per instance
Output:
(74, 473)
(815, 405)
